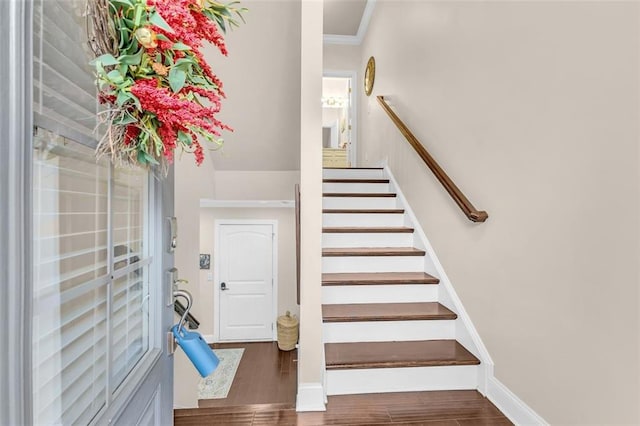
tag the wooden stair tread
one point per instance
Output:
(368, 230)
(378, 278)
(359, 312)
(360, 194)
(355, 180)
(364, 211)
(372, 251)
(424, 353)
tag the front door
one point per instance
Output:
(245, 259)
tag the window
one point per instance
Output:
(91, 279)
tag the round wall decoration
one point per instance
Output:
(369, 76)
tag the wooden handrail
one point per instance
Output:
(463, 202)
(297, 198)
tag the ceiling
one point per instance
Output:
(342, 17)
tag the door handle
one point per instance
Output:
(223, 286)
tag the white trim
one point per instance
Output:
(362, 29)
(209, 338)
(466, 333)
(512, 406)
(271, 204)
(353, 106)
(310, 397)
(216, 278)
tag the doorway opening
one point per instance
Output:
(338, 120)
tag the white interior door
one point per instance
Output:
(245, 279)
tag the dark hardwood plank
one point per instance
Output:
(360, 194)
(364, 211)
(378, 278)
(368, 230)
(386, 312)
(355, 180)
(372, 251)
(264, 363)
(423, 353)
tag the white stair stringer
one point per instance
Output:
(408, 379)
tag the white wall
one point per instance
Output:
(286, 276)
(533, 109)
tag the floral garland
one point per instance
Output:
(159, 91)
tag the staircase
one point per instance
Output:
(385, 325)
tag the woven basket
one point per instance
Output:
(287, 332)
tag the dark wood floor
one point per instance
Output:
(263, 393)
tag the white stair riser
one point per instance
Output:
(353, 174)
(358, 202)
(387, 331)
(376, 380)
(355, 187)
(373, 264)
(367, 240)
(366, 219)
(403, 293)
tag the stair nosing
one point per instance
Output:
(469, 358)
(377, 278)
(355, 180)
(359, 194)
(368, 230)
(445, 315)
(361, 252)
(363, 211)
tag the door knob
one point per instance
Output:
(223, 286)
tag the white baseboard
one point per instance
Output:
(310, 397)
(512, 406)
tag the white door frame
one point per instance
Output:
(216, 271)
(353, 106)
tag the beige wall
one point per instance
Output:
(532, 108)
(286, 275)
(338, 57)
(250, 185)
(261, 81)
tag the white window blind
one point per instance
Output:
(91, 262)
(91, 279)
(64, 92)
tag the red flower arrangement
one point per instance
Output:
(159, 91)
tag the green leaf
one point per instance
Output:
(138, 17)
(185, 138)
(158, 21)
(122, 98)
(115, 77)
(180, 46)
(106, 60)
(162, 37)
(177, 78)
(131, 59)
(125, 119)
(122, 3)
